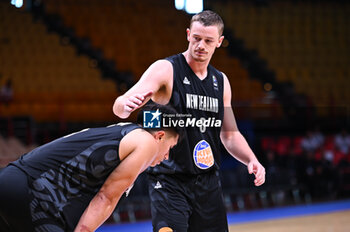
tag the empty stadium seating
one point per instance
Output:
(50, 81)
(136, 33)
(304, 42)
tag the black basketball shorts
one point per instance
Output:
(14, 201)
(187, 203)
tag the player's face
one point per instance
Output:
(203, 40)
(167, 142)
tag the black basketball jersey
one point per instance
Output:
(65, 174)
(196, 100)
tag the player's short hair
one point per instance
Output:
(209, 18)
(164, 109)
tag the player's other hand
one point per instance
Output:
(135, 101)
(254, 167)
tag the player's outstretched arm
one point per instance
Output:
(234, 141)
(138, 156)
(150, 84)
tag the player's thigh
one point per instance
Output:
(170, 209)
(209, 218)
(208, 212)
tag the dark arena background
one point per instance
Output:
(63, 63)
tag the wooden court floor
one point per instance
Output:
(318, 217)
(325, 222)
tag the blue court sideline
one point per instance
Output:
(245, 217)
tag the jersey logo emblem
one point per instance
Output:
(158, 185)
(215, 83)
(186, 81)
(203, 155)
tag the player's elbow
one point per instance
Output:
(116, 108)
(109, 195)
(82, 228)
(226, 136)
(117, 113)
(230, 137)
(105, 200)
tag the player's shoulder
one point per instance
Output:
(160, 68)
(224, 76)
(160, 72)
(139, 137)
(162, 64)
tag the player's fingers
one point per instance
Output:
(131, 104)
(148, 94)
(259, 178)
(260, 171)
(259, 182)
(139, 96)
(137, 99)
(128, 108)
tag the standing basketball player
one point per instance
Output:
(185, 191)
(79, 177)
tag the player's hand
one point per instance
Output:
(254, 167)
(135, 101)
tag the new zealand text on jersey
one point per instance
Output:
(205, 103)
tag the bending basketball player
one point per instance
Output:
(185, 190)
(76, 181)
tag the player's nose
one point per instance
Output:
(201, 44)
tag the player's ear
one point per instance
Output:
(159, 135)
(220, 41)
(188, 32)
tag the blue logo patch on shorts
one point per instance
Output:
(203, 155)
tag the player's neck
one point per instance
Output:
(199, 68)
